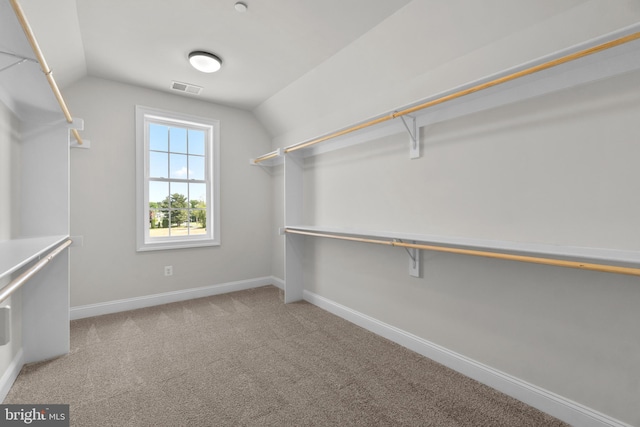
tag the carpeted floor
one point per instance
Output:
(247, 359)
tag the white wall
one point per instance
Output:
(559, 169)
(107, 267)
(6, 142)
(9, 164)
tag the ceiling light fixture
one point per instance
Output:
(205, 61)
(241, 7)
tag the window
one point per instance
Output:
(177, 180)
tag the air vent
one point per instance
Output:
(186, 87)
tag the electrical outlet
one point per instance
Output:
(168, 270)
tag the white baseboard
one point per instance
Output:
(275, 281)
(564, 409)
(10, 375)
(116, 306)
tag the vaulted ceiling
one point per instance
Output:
(147, 42)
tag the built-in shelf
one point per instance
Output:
(596, 255)
(38, 134)
(16, 253)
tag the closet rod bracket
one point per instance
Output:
(74, 142)
(409, 123)
(414, 259)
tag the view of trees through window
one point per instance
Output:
(177, 186)
(176, 215)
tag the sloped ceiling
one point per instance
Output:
(22, 85)
(147, 42)
(428, 47)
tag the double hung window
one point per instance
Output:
(178, 185)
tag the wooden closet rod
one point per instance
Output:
(513, 76)
(497, 255)
(266, 157)
(24, 277)
(43, 64)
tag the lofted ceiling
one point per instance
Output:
(147, 42)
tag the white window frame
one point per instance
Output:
(144, 116)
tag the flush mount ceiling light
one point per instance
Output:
(241, 7)
(205, 61)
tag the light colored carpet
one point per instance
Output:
(247, 359)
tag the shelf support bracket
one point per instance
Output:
(20, 60)
(414, 136)
(77, 124)
(13, 64)
(414, 259)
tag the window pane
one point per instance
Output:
(197, 195)
(196, 142)
(156, 217)
(179, 166)
(173, 160)
(178, 195)
(158, 165)
(179, 222)
(158, 137)
(158, 193)
(198, 218)
(178, 140)
(160, 226)
(196, 168)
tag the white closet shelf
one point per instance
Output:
(552, 73)
(573, 253)
(16, 253)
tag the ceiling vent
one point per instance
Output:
(186, 87)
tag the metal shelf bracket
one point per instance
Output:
(414, 259)
(19, 60)
(414, 135)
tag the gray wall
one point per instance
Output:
(103, 200)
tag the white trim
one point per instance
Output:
(546, 401)
(10, 374)
(90, 310)
(144, 115)
(277, 282)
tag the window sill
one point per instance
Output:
(178, 244)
